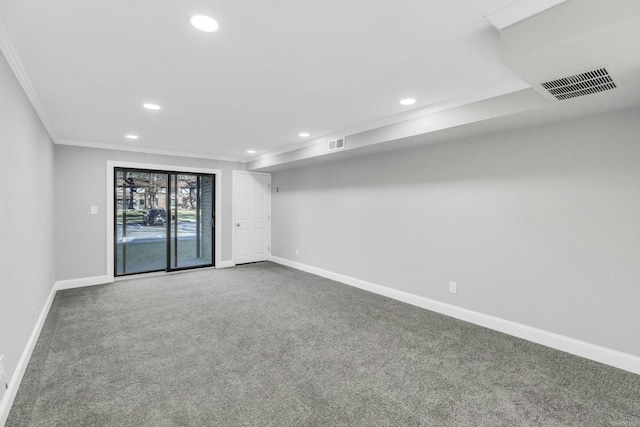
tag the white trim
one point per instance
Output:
(234, 186)
(110, 219)
(146, 150)
(6, 46)
(233, 216)
(82, 282)
(576, 347)
(18, 374)
(519, 11)
(226, 264)
(111, 164)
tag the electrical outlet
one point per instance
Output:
(297, 251)
(453, 287)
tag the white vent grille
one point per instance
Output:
(336, 144)
(580, 84)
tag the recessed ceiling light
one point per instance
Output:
(251, 151)
(304, 134)
(204, 23)
(131, 136)
(151, 106)
(408, 101)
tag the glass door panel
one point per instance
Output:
(141, 221)
(192, 220)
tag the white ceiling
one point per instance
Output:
(274, 69)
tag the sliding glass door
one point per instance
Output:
(164, 220)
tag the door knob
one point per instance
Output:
(238, 225)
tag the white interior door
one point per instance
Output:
(252, 202)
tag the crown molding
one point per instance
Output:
(519, 11)
(144, 150)
(6, 46)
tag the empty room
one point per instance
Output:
(327, 213)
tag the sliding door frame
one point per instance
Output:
(112, 164)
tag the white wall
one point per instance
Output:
(539, 226)
(81, 182)
(26, 220)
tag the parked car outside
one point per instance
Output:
(155, 216)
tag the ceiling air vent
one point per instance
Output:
(580, 84)
(336, 144)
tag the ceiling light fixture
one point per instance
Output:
(408, 101)
(151, 106)
(131, 136)
(304, 134)
(204, 23)
(251, 151)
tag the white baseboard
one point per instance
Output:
(576, 347)
(16, 379)
(226, 264)
(82, 282)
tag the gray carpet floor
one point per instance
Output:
(265, 345)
